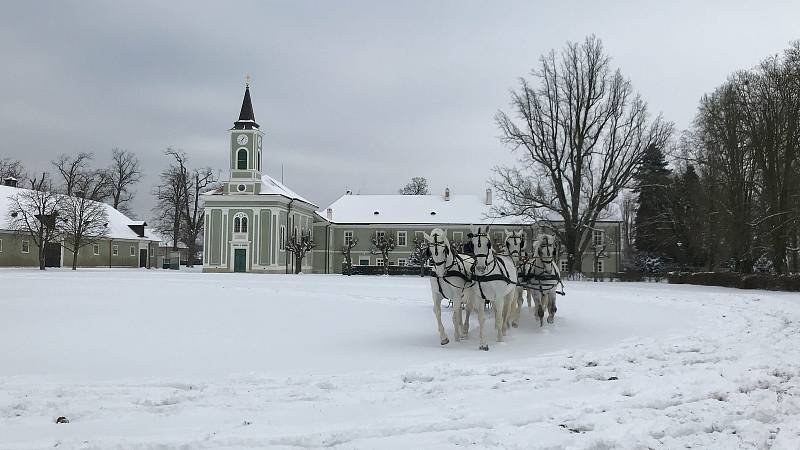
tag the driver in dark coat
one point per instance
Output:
(468, 248)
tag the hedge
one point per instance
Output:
(380, 270)
(738, 280)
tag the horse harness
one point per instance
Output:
(501, 276)
(456, 269)
(530, 279)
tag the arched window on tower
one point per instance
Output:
(244, 224)
(259, 161)
(241, 159)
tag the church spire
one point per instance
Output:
(247, 119)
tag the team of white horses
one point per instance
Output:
(493, 276)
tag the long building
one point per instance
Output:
(406, 217)
(126, 243)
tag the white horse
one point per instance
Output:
(541, 273)
(515, 248)
(494, 278)
(450, 276)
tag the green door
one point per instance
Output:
(239, 260)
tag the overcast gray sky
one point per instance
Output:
(351, 95)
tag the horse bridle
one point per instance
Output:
(448, 271)
(480, 235)
(552, 252)
(436, 244)
(517, 244)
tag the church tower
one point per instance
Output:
(245, 150)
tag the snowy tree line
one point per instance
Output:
(731, 199)
(725, 194)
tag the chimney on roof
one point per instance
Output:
(488, 200)
(348, 192)
(329, 212)
(10, 182)
(447, 194)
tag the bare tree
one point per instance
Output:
(347, 252)
(772, 122)
(33, 212)
(383, 244)
(581, 131)
(12, 168)
(73, 170)
(299, 246)
(123, 174)
(729, 168)
(417, 186)
(171, 195)
(627, 208)
(200, 181)
(83, 221)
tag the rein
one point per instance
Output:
(488, 277)
(532, 280)
(450, 272)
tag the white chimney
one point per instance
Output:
(330, 213)
(348, 192)
(488, 200)
(447, 194)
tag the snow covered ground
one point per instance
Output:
(159, 359)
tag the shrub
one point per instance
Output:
(392, 270)
(630, 276)
(738, 280)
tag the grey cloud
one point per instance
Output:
(360, 95)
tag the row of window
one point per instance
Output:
(458, 236)
(364, 261)
(25, 247)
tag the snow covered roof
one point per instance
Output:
(420, 209)
(416, 209)
(118, 223)
(271, 186)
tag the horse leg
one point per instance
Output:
(516, 306)
(551, 307)
(498, 305)
(538, 305)
(457, 319)
(467, 300)
(508, 310)
(437, 312)
(481, 321)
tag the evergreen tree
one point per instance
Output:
(652, 182)
(687, 219)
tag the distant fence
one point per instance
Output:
(770, 282)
